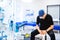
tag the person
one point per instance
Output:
(44, 24)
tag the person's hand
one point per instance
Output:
(37, 27)
(44, 31)
(41, 32)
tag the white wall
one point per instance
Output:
(17, 7)
(35, 5)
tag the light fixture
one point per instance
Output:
(27, 1)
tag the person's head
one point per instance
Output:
(41, 13)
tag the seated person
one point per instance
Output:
(45, 25)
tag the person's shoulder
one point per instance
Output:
(49, 15)
(38, 17)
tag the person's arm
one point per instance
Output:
(50, 28)
(37, 22)
(51, 24)
(37, 27)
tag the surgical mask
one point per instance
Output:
(41, 17)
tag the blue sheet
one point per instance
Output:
(21, 24)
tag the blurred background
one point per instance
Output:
(18, 17)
